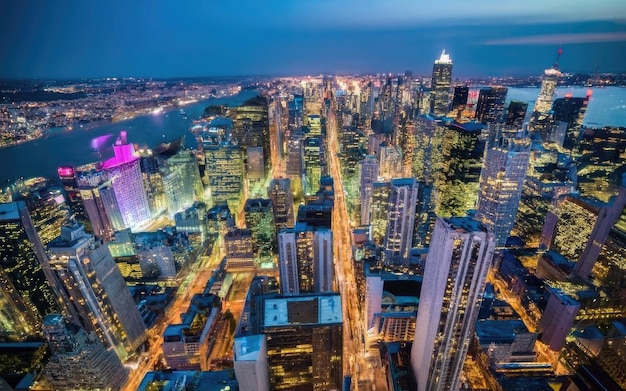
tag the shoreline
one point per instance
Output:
(90, 125)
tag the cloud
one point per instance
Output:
(555, 39)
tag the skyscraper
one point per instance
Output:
(400, 219)
(224, 172)
(305, 257)
(369, 175)
(460, 253)
(502, 180)
(125, 174)
(23, 283)
(490, 106)
(540, 118)
(187, 186)
(459, 99)
(440, 85)
(79, 360)
(102, 212)
(93, 290)
(572, 111)
(279, 192)
(515, 114)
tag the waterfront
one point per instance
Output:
(41, 157)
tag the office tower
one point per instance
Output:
(456, 164)
(255, 169)
(369, 175)
(540, 117)
(125, 174)
(459, 99)
(608, 216)
(67, 175)
(224, 172)
(304, 341)
(314, 122)
(400, 219)
(515, 114)
(153, 182)
(490, 105)
(239, 250)
(93, 291)
(187, 188)
(279, 192)
(458, 260)
(79, 360)
(295, 161)
(390, 162)
(295, 107)
(571, 111)
(103, 213)
(440, 85)
(250, 362)
(558, 318)
(312, 147)
(251, 127)
(259, 217)
(502, 180)
(305, 257)
(379, 210)
(23, 282)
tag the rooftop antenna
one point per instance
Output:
(558, 55)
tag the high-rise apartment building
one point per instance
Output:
(502, 179)
(79, 360)
(440, 85)
(490, 106)
(400, 219)
(93, 290)
(459, 257)
(125, 174)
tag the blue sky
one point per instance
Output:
(89, 38)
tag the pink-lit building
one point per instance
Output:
(125, 174)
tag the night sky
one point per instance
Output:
(88, 38)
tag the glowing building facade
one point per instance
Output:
(456, 268)
(400, 219)
(501, 181)
(279, 192)
(440, 85)
(369, 175)
(125, 174)
(93, 290)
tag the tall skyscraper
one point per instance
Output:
(369, 175)
(125, 174)
(279, 192)
(490, 106)
(400, 219)
(102, 211)
(23, 283)
(224, 172)
(571, 110)
(502, 180)
(515, 114)
(440, 85)
(459, 99)
(540, 118)
(312, 157)
(79, 360)
(305, 256)
(304, 341)
(67, 175)
(460, 253)
(187, 186)
(93, 290)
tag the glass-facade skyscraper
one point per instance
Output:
(440, 85)
(460, 254)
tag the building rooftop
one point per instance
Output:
(247, 348)
(304, 309)
(467, 224)
(9, 211)
(190, 380)
(499, 331)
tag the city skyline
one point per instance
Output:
(75, 40)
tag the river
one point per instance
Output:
(42, 157)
